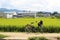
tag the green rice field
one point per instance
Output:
(24, 21)
(19, 24)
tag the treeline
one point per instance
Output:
(55, 14)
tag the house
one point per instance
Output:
(9, 14)
(44, 14)
(13, 14)
(26, 14)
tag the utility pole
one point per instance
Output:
(35, 15)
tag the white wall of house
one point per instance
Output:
(6, 15)
(9, 14)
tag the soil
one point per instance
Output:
(24, 35)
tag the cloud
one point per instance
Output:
(28, 4)
(53, 5)
(43, 5)
(0, 4)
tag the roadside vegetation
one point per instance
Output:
(2, 36)
(37, 38)
(58, 38)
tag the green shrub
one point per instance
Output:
(37, 38)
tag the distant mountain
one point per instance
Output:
(8, 10)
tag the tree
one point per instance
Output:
(55, 13)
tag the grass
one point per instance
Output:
(2, 36)
(37, 38)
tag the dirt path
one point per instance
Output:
(14, 35)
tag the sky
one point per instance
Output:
(33, 5)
